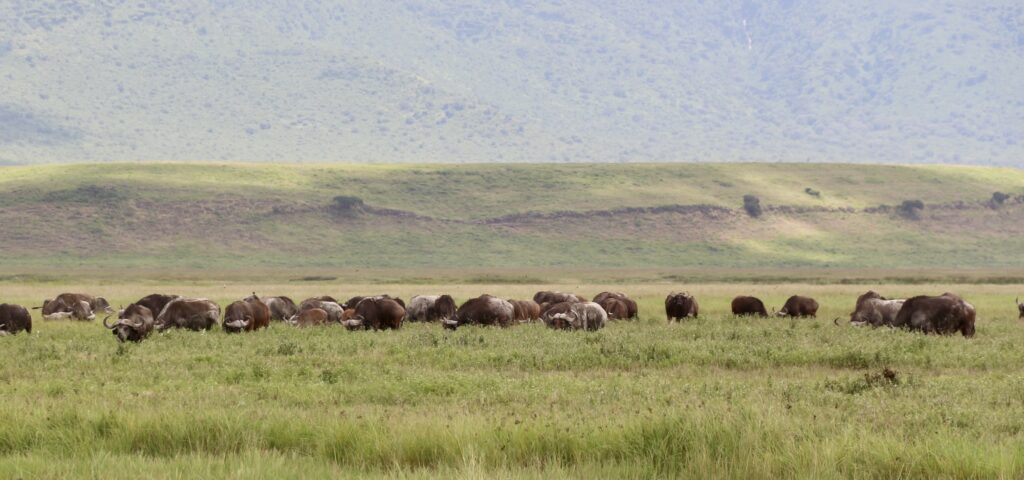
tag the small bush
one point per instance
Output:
(998, 199)
(910, 209)
(346, 205)
(752, 205)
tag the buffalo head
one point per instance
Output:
(127, 330)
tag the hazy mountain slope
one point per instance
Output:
(476, 81)
(211, 217)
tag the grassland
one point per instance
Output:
(717, 397)
(202, 217)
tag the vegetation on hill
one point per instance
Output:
(197, 216)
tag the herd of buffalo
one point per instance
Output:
(947, 313)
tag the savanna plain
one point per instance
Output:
(714, 397)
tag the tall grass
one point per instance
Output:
(715, 397)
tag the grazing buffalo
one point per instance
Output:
(797, 306)
(430, 308)
(134, 323)
(524, 311)
(281, 308)
(553, 309)
(377, 313)
(744, 305)
(313, 317)
(188, 313)
(155, 303)
(581, 316)
(546, 296)
(945, 314)
(334, 311)
(679, 305)
(631, 306)
(246, 315)
(352, 302)
(1020, 308)
(875, 310)
(617, 309)
(73, 305)
(70, 303)
(483, 310)
(14, 318)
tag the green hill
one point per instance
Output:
(479, 81)
(505, 217)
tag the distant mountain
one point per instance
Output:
(512, 81)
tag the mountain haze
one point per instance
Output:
(512, 81)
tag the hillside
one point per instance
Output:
(477, 81)
(208, 217)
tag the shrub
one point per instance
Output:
(910, 209)
(752, 205)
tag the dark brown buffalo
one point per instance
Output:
(313, 317)
(352, 302)
(430, 308)
(617, 309)
(680, 305)
(78, 306)
(744, 305)
(246, 315)
(188, 313)
(524, 311)
(134, 323)
(155, 303)
(68, 302)
(1020, 308)
(797, 306)
(631, 306)
(483, 310)
(377, 313)
(334, 311)
(945, 314)
(281, 308)
(14, 318)
(547, 296)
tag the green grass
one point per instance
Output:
(716, 397)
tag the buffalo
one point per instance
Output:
(797, 306)
(377, 313)
(430, 308)
(524, 311)
(483, 310)
(313, 317)
(188, 313)
(547, 296)
(134, 323)
(944, 314)
(1020, 308)
(632, 311)
(581, 316)
(281, 308)
(352, 302)
(616, 309)
(744, 305)
(552, 309)
(14, 318)
(680, 305)
(875, 310)
(154, 302)
(333, 309)
(246, 315)
(78, 306)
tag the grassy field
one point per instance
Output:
(717, 397)
(208, 217)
